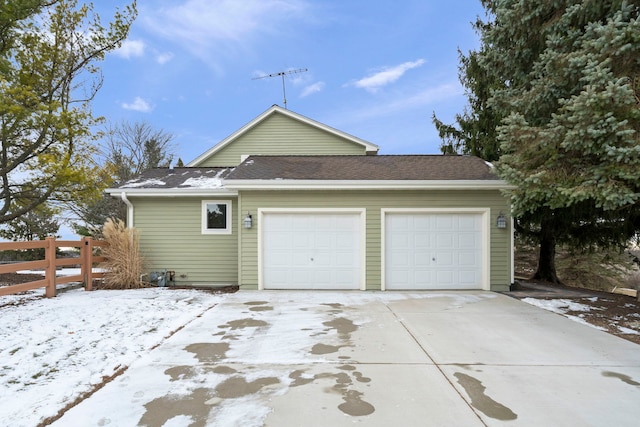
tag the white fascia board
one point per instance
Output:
(219, 146)
(169, 192)
(240, 184)
(369, 147)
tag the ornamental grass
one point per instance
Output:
(124, 264)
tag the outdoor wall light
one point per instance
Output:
(501, 221)
(248, 221)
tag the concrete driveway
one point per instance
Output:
(375, 359)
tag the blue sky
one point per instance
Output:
(376, 69)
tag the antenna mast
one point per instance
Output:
(282, 74)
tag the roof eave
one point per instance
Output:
(171, 192)
(282, 184)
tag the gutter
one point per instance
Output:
(123, 196)
(171, 192)
(290, 184)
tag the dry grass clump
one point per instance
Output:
(633, 282)
(124, 263)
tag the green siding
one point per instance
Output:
(282, 135)
(373, 201)
(171, 239)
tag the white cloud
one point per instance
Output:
(404, 102)
(387, 75)
(209, 29)
(130, 48)
(163, 58)
(311, 89)
(138, 104)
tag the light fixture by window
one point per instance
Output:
(248, 221)
(501, 221)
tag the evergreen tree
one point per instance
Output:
(36, 224)
(565, 82)
(474, 132)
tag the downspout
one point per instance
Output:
(123, 196)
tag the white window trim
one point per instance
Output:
(203, 214)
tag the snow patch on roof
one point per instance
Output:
(491, 166)
(145, 183)
(205, 181)
(202, 182)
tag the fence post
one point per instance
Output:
(87, 262)
(50, 272)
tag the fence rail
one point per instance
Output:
(51, 262)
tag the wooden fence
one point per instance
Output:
(51, 262)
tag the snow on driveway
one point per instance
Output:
(52, 351)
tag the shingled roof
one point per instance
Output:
(364, 168)
(179, 178)
(293, 169)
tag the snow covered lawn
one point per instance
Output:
(52, 351)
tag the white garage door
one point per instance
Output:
(433, 251)
(311, 250)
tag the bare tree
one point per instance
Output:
(132, 148)
(127, 150)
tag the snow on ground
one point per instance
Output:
(54, 350)
(563, 306)
(628, 330)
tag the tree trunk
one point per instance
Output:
(547, 256)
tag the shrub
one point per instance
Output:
(124, 263)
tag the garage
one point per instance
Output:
(435, 250)
(312, 250)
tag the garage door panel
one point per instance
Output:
(344, 260)
(399, 241)
(418, 224)
(279, 275)
(469, 222)
(280, 259)
(445, 241)
(401, 277)
(345, 244)
(468, 259)
(446, 259)
(420, 241)
(323, 250)
(467, 242)
(420, 258)
(297, 239)
(420, 277)
(444, 223)
(444, 277)
(468, 277)
(321, 260)
(433, 251)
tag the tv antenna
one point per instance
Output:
(282, 74)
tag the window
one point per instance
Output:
(216, 217)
